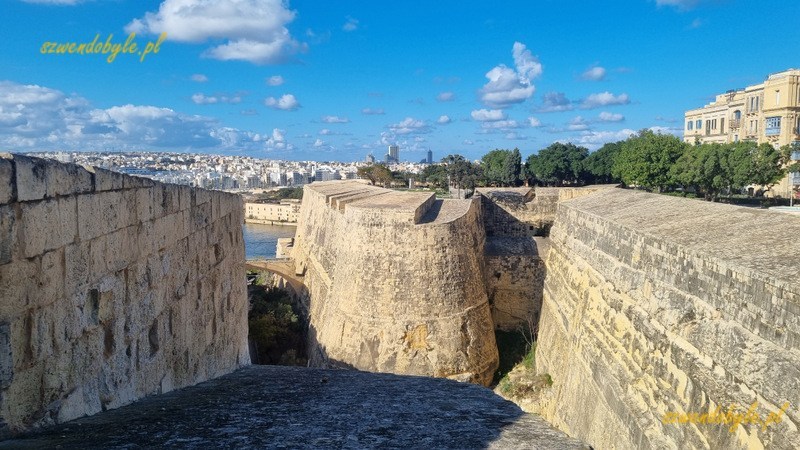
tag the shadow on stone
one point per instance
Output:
(271, 406)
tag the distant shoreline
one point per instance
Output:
(270, 222)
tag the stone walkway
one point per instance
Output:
(288, 407)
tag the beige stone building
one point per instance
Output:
(764, 113)
(287, 211)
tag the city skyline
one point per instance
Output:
(299, 81)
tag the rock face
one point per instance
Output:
(395, 282)
(112, 288)
(657, 305)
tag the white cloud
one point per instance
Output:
(488, 115)
(534, 122)
(36, 117)
(351, 24)
(202, 99)
(254, 31)
(578, 124)
(467, 142)
(446, 96)
(500, 125)
(278, 141)
(507, 86)
(373, 111)
(286, 102)
(325, 132)
(319, 143)
(555, 102)
(667, 130)
(335, 119)
(275, 80)
(595, 139)
(595, 73)
(199, 78)
(610, 117)
(514, 136)
(443, 120)
(409, 125)
(682, 5)
(604, 99)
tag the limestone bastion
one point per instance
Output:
(402, 282)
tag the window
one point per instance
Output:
(698, 124)
(773, 126)
(777, 98)
(722, 125)
(689, 125)
(714, 124)
(735, 138)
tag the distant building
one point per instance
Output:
(763, 113)
(393, 156)
(766, 112)
(370, 159)
(430, 157)
(287, 211)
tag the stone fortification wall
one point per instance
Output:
(112, 288)
(515, 219)
(524, 211)
(395, 282)
(657, 305)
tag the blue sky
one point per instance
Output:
(336, 80)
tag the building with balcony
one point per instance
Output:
(767, 112)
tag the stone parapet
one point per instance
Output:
(113, 288)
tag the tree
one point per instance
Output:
(377, 174)
(769, 165)
(512, 169)
(434, 174)
(645, 160)
(706, 168)
(558, 164)
(597, 166)
(463, 174)
(502, 167)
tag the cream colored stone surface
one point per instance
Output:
(112, 288)
(655, 304)
(392, 288)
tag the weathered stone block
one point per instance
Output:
(107, 180)
(132, 182)
(8, 233)
(104, 212)
(7, 190)
(67, 179)
(47, 224)
(51, 278)
(31, 178)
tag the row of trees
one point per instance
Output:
(646, 160)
